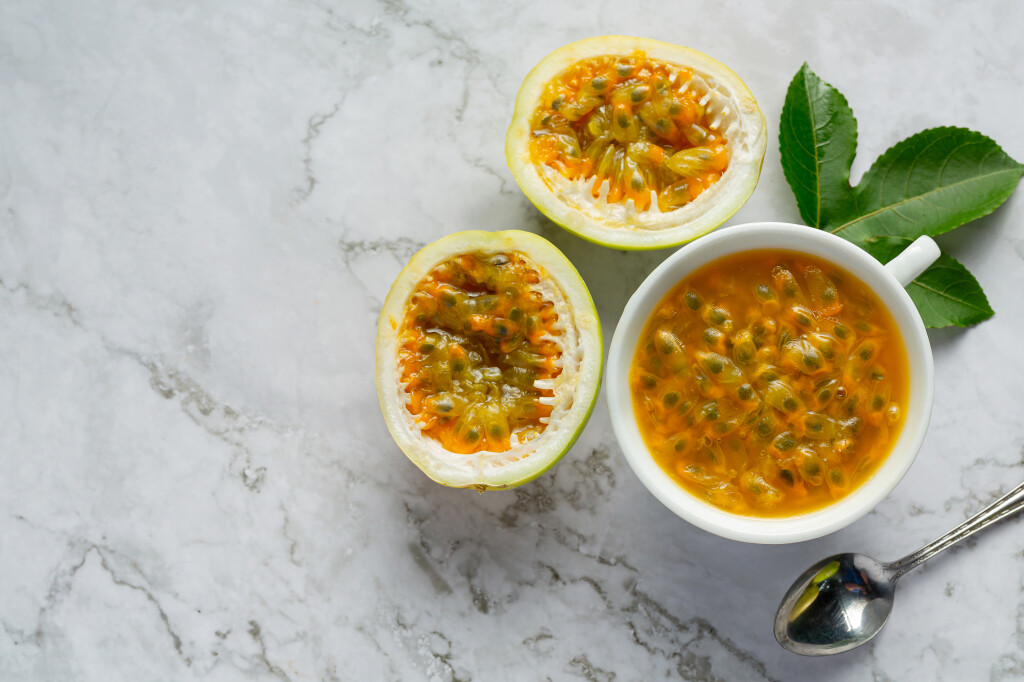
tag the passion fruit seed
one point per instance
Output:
(636, 129)
(477, 366)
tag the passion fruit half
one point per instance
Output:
(488, 358)
(635, 143)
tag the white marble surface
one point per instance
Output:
(202, 206)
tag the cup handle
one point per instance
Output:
(914, 260)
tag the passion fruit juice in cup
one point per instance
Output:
(771, 382)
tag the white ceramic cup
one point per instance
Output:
(887, 281)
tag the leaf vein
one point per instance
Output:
(908, 200)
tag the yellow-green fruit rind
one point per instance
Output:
(641, 232)
(483, 470)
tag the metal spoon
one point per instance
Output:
(843, 601)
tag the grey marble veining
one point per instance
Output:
(202, 206)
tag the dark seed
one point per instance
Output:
(671, 398)
(784, 442)
(692, 300)
(745, 392)
(711, 336)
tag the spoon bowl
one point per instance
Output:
(836, 605)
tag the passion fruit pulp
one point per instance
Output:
(488, 358)
(635, 143)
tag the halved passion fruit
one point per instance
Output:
(488, 358)
(635, 143)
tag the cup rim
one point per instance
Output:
(789, 237)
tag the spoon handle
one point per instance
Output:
(1007, 505)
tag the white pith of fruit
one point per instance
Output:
(573, 390)
(572, 204)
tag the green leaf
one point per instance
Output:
(818, 140)
(945, 294)
(927, 184)
(930, 183)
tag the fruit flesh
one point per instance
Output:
(634, 126)
(770, 383)
(478, 352)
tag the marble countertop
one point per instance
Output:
(202, 206)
